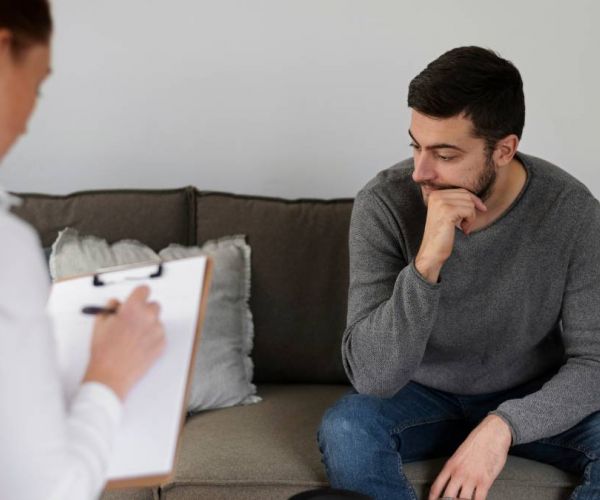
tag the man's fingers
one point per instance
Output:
(479, 204)
(468, 220)
(466, 492)
(464, 226)
(453, 488)
(438, 485)
(480, 493)
(476, 199)
(462, 194)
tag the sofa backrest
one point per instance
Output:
(154, 217)
(299, 279)
(299, 260)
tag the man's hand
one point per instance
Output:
(475, 465)
(447, 209)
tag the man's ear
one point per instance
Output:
(506, 149)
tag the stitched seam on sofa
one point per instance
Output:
(547, 484)
(93, 192)
(241, 482)
(331, 201)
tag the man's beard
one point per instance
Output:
(486, 180)
(484, 184)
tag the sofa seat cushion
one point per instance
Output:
(269, 451)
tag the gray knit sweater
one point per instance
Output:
(516, 300)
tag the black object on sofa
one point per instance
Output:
(299, 296)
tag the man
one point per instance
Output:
(473, 314)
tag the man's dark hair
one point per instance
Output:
(475, 82)
(29, 21)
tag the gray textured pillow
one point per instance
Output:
(73, 255)
(223, 372)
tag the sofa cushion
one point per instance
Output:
(269, 451)
(154, 217)
(299, 280)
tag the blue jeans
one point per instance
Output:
(365, 440)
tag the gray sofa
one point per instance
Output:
(299, 286)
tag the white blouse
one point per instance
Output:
(49, 448)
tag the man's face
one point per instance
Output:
(447, 156)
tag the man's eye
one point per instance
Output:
(414, 146)
(446, 158)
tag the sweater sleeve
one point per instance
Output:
(572, 394)
(391, 307)
(51, 448)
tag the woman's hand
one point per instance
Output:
(126, 344)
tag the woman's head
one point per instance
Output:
(28, 21)
(25, 33)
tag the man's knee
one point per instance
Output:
(354, 418)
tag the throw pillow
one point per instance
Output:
(223, 368)
(74, 255)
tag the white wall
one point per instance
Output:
(298, 98)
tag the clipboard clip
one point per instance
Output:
(97, 281)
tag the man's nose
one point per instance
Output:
(424, 170)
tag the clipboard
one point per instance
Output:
(147, 442)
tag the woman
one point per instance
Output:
(51, 448)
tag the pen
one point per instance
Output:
(98, 310)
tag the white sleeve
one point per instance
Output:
(48, 450)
